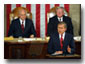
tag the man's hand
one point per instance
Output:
(59, 52)
(32, 36)
(69, 49)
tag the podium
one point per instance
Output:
(33, 48)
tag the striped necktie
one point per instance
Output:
(22, 26)
(61, 41)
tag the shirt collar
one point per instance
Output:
(21, 21)
(60, 18)
(63, 35)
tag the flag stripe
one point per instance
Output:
(33, 10)
(23, 5)
(38, 20)
(18, 5)
(42, 20)
(28, 6)
(56, 4)
(47, 8)
(8, 20)
(61, 5)
(66, 7)
(13, 6)
(51, 6)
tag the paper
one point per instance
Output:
(8, 38)
(29, 39)
(55, 54)
(77, 38)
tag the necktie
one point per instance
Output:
(60, 19)
(22, 26)
(61, 41)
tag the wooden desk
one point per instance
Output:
(31, 49)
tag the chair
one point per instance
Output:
(52, 13)
(14, 13)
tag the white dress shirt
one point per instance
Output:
(63, 35)
(23, 22)
(61, 19)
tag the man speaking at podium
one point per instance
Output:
(61, 42)
(22, 27)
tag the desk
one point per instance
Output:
(36, 49)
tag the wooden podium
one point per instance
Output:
(35, 48)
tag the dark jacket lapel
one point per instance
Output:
(57, 18)
(19, 25)
(57, 40)
(64, 18)
(65, 40)
(25, 25)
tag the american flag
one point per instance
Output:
(39, 15)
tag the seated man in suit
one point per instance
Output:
(22, 27)
(61, 42)
(59, 17)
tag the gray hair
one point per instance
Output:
(60, 23)
(60, 8)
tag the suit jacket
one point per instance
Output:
(16, 30)
(53, 22)
(54, 44)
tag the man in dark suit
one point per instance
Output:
(22, 27)
(61, 42)
(59, 18)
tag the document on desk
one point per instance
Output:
(29, 39)
(77, 38)
(34, 39)
(55, 54)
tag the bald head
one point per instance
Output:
(22, 14)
